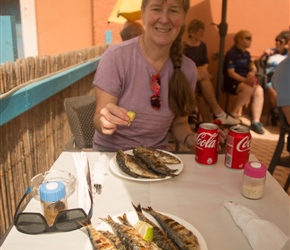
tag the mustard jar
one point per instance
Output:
(53, 200)
(254, 178)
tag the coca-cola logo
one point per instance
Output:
(206, 140)
(244, 144)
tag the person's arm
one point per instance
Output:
(286, 111)
(236, 76)
(182, 131)
(108, 115)
(252, 68)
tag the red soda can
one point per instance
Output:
(206, 151)
(238, 147)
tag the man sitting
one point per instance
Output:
(240, 80)
(196, 50)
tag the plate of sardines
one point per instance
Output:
(146, 164)
(170, 232)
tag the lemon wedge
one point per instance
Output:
(145, 230)
(131, 115)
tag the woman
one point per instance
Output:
(240, 79)
(196, 50)
(271, 59)
(150, 76)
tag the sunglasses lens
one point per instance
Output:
(155, 102)
(31, 223)
(69, 220)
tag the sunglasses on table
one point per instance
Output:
(35, 223)
(155, 98)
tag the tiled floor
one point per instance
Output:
(263, 147)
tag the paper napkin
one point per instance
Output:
(81, 165)
(261, 234)
(100, 169)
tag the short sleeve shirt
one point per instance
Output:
(124, 72)
(238, 60)
(197, 53)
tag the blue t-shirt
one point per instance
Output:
(238, 60)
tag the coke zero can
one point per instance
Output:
(238, 147)
(206, 151)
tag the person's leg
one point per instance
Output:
(257, 103)
(204, 109)
(244, 93)
(256, 108)
(272, 97)
(206, 87)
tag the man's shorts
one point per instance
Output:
(231, 85)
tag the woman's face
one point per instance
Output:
(280, 45)
(198, 34)
(163, 21)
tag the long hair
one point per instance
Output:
(180, 96)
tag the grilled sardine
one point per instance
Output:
(181, 236)
(98, 240)
(161, 155)
(159, 238)
(115, 239)
(153, 163)
(129, 236)
(129, 166)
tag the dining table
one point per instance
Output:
(195, 196)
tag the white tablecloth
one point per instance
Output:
(196, 196)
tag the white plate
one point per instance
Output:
(132, 217)
(116, 170)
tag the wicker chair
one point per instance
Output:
(80, 112)
(277, 160)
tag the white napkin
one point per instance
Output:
(81, 165)
(261, 234)
(100, 170)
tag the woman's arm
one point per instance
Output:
(182, 131)
(108, 115)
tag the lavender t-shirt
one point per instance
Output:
(125, 73)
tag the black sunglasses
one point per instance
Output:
(248, 38)
(35, 223)
(155, 98)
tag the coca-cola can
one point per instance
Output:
(206, 151)
(238, 147)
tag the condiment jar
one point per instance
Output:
(254, 180)
(53, 200)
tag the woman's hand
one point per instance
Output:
(111, 116)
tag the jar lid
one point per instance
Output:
(52, 191)
(255, 169)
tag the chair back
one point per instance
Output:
(284, 126)
(80, 112)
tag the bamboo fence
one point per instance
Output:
(30, 143)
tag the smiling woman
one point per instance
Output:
(131, 65)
